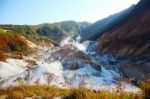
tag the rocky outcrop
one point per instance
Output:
(72, 58)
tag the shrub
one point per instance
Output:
(2, 57)
(12, 42)
(145, 86)
(32, 62)
(16, 56)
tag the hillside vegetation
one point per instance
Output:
(12, 42)
(48, 32)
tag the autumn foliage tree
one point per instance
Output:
(12, 42)
(2, 56)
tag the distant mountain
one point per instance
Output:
(132, 36)
(98, 28)
(55, 32)
(61, 30)
(84, 25)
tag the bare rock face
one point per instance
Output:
(72, 58)
(130, 38)
(137, 72)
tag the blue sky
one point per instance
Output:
(49, 11)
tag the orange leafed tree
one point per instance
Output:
(2, 56)
(12, 42)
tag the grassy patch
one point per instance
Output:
(48, 92)
(145, 86)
